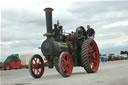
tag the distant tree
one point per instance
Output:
(124, 52)
(104, 55)
(121, 52)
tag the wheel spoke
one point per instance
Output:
(38, 71)
(95, 63)
(90, 49)
(90, 59)
(64, 62)
(67, 69)
(91, 65)
(35, 60)
(34, 70)
(93, 45)
(39, 62)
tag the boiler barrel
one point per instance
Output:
(52, 48)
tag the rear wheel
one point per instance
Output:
(90, 56)
(36, 66)
(65, 64)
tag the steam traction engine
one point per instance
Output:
(63, 51)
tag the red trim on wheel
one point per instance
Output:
(93, 56)
(36, 63)
(67, 64)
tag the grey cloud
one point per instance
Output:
(101, 11)
(20, 24)
(27, 25)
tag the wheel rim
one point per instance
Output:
(37, 70)
(93, 56)
(67, 64)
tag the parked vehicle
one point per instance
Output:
(12, 62)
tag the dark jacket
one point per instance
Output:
(90, 32)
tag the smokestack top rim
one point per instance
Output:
(48, 9)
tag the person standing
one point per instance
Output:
(90, 32)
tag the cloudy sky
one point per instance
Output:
(23, 23)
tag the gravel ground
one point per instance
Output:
(110, 73)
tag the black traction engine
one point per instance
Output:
(65, 50)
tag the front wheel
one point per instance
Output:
(65, 64)
(36, 66)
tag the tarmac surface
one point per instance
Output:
(110, 73)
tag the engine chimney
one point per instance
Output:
(48, 13)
